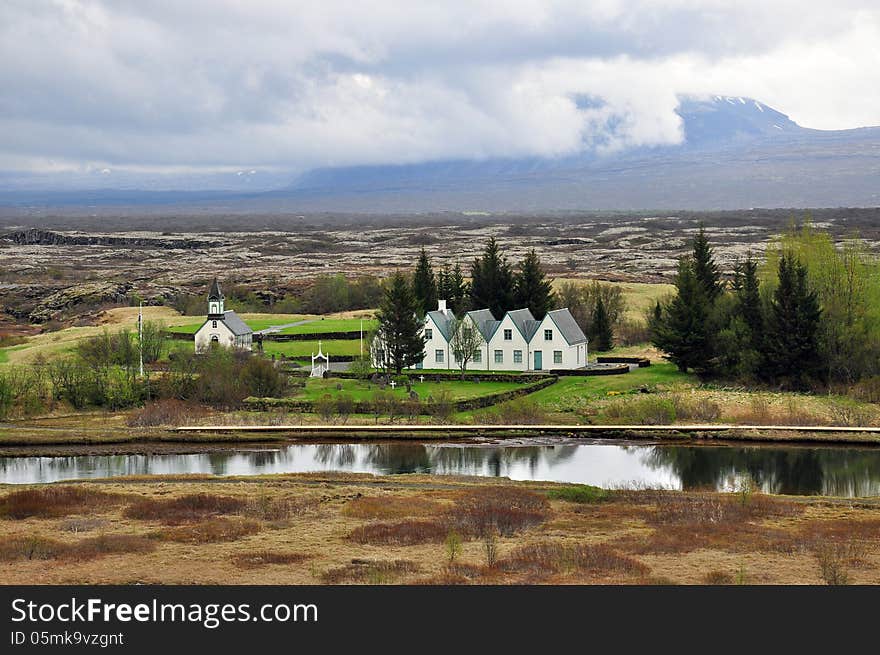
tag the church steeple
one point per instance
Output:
(215, 301)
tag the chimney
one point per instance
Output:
(441, 306)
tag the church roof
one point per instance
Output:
(485, 322)
(214, 293)
(234, 323)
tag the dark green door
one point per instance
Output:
(539, 360)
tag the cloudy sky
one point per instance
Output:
(215, 84)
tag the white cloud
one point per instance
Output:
(273, 83)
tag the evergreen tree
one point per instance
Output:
(459, 291)
(424, 284)
(399, 343)
(747, 289)
(603, 334)
(532, 288)
(492, 282)
(443, 274)
(705, 268)
(681, 328)
(791, 340)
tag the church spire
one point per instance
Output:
(215, 300)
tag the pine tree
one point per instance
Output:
(459, 291)
(492, 283)
(791, 341)
(424, 284)
(399, 334)
(681, 329)
(602, 334)
(532, 288)
(705, 268)
(443, 274)
(747, 288)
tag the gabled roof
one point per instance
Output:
(524, 322)
(485, 322)
(214, 293)
(235, 324)
(441, 320)
(568, 327)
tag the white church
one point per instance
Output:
(222, 328)
(517, 342)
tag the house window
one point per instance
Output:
(213, 324)
(548, 335)
(499, 356)
(508, 335)
(478, 356)
(517, 356)
(557, 356)
(429, 334)
(438, 356)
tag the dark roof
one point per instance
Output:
(234, 323)
(485, 322)
(524, 322)
(441, 320)
(214, 293)
(568, 327)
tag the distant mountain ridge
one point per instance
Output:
(737, 153)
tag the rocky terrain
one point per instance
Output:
(67, 267)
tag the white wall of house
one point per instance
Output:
(437, 351)
(556, 352)
(510, 343)
(214, 330)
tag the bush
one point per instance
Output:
(441, 406)
(650, 410)
(256, 559)
(403, 533)
(501, 510)
(168, 411)
(193, 507)
(690, 408)
(54, 501)
(369, 571)
(519, 411)
(211, 531)
(582, 493)
(29, 548)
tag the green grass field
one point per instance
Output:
(323, 326)
(359, 390)
(349, 347)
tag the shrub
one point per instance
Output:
(832, 562)
(519, 411)
(325, 407)
(109, 544)
(211, 531)
(53, 501)
(648, 410)
(453, 545)
(29, 548)
(441, 406)
(167, 411)
(403, 533)
(689, 408)
(193, 507)
(552, 558)
(344, 406)
(369, 571)
(278, 509)
(502, 510)
(582, 493)
(262, 379)
(718, 578)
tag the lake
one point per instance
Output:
(833, 471)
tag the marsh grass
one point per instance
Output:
(54, 501)
(184, 509)
(369, 572)
(390, 507)
(257, 559)
(548, 559)
(210, 531)
(583, 494)
(42, 548)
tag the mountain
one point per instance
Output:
(736, 153)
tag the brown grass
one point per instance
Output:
(259, 558)
(30, 548)
(211, 531)
(54, 501)
(389, 507)
(185, 509)
(547, 559)
(168, 411)
(110, 544)
(369, 571)
(501, 510)
(710, 508)
(718, 578)
(402, 533)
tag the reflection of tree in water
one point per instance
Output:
(336, 455)
(495, 461)
(802, 471)
(261, 459)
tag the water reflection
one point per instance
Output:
(791, 470)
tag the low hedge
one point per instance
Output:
(583, 372)
(440, 376)
(366, 406)
(641, 361)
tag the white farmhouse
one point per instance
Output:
(518, 342)
(222, 328)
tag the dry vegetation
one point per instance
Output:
(353, 529)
